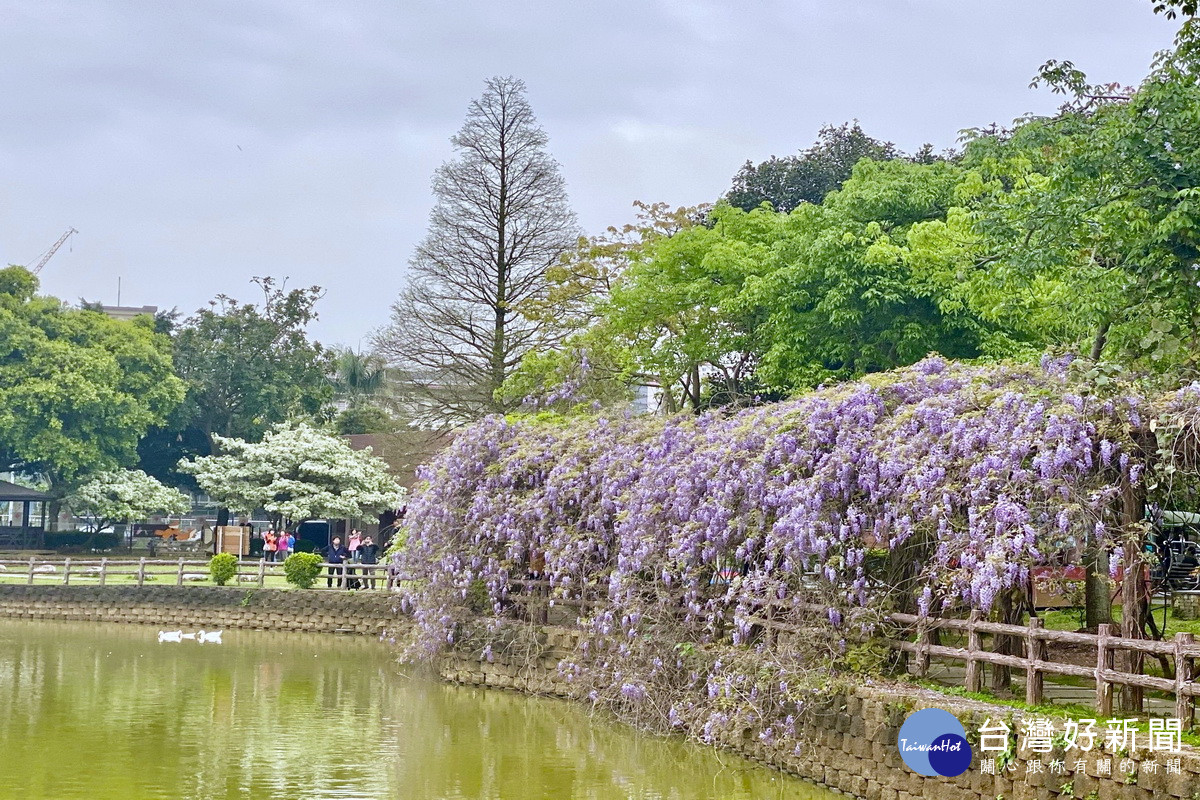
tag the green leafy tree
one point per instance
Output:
(246, 367)
(841, 298)
(789, 181)
(1101, 200)
(607, 291)
(249, 366)
(675, 311)
(77, 389)
(123, 496)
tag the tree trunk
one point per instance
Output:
(52, 512)
(1001, 678)
(1097, 595)
(501, 309)
(1100, 340)
(1133, 601)
(668, 395)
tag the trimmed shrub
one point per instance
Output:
(302, 569)
(222, 567)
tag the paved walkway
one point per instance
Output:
(1055, 692)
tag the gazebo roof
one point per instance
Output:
(13, 492)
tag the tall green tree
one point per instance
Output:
(77, 389)
(248, 366)
(1102, 199)
(789, 181)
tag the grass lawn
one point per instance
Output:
(1070, 620)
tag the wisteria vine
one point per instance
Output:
(962, 477)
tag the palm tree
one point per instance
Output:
(357, 376)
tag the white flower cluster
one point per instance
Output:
(124, 495)
(297, 472)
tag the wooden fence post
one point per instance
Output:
(262, 572)
(29, 581)
(67, 572)
(922, 650)
(1104, 662)
(974, 677)
(1184, 675)
(141, 573)
(1035, 651)
(103, 570)
(179, 574)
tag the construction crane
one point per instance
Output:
(49, 254)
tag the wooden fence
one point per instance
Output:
(100, 572)
(922, 644)
(1182, 651)
(532, 601)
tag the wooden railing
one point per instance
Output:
(1182, 652)
(102, 571)
(533, 598)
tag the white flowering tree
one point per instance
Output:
(296, 472)
(124, 495)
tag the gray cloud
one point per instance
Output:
(197, 144)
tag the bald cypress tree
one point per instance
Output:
(501, 219)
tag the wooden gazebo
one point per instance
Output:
(26, 535)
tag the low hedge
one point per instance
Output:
(61, 540)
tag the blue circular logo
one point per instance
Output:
(933, 742)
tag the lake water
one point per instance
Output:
(105, 712)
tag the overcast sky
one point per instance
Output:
(195, 145)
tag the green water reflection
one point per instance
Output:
(99, 712)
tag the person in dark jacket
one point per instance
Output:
(336, 553)
(368, 553)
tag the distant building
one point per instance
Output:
(128, 312)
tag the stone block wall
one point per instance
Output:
(211, 607)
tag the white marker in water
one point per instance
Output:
(203, 637)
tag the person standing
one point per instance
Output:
(368, 553)
(335, 555)
(282, 546)
(352, 545)
(269, 540)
